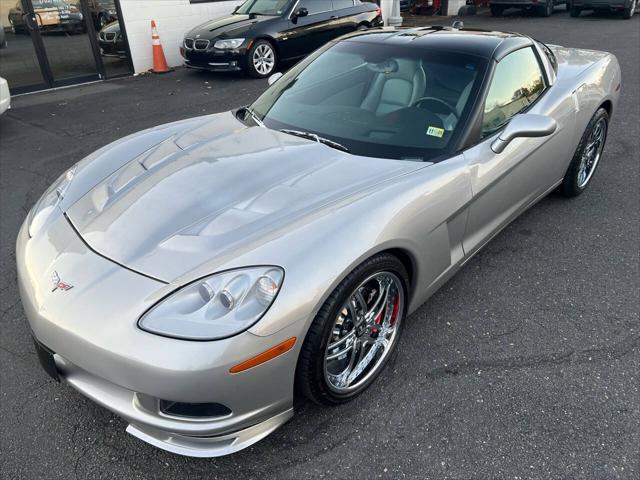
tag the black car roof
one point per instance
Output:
(483, 43)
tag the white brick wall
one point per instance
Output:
(173, 17)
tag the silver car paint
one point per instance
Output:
(314, 211)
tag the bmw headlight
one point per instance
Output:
(229, 43)
(49, 201)
(215, 307)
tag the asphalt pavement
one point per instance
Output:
(525, 365)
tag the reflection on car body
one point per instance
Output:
(262, 33)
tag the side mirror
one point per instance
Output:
(274, 78)
(524, 125)
(301, 12)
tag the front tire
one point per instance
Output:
(262, 59)
(355, 332)
(587, 156)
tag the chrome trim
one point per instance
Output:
(206, 47)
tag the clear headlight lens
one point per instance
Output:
(49, 201)
(216, 307)
(229, 43)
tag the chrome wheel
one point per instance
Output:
(592, 152)
(364, 332)
(264, 59)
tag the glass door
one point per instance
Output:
(68, 39)
(20, 60)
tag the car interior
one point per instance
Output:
(356, 98)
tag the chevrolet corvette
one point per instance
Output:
(192, 278)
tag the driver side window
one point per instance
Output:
(315, 6)
(516, 84)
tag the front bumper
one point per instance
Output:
(215, 60)
(99, 350)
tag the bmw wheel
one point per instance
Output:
(262, 59)
(355, 332)
(587, 155)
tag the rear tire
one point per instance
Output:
(496, 10)
(576, 180)
(313, 377)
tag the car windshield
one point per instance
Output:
(377, 100)
(263, 7)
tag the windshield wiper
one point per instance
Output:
(254, 116)
(317, 138)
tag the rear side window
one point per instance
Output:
(516, 84)
(339, 4)
(315, 6)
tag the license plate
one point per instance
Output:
(46, 360)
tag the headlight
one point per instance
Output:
(216, 307)
(229, 43)
(49, 201)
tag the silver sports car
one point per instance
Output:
(192, 277)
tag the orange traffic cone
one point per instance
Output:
(159, 61)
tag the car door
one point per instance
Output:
(306, 34)
(506, 183)
(343, 18)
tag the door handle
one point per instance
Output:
(333, 17)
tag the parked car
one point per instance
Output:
(544, 8)
(51, 15)
(102, 12)
(262, 33)
(5, 96)
(111, 41)
(626, 7)
(188, 276)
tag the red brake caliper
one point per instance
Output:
(394, 314)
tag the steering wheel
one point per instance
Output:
(451, 108)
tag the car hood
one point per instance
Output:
(230, 25)
(213, 190)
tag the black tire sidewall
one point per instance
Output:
(251, 69)
(569, 187)
(310, 379)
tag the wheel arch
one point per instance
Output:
(269, 39)
(608, 106)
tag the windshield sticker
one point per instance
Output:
(435, 132)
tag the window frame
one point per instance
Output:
(487, 87)
(295, 7)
